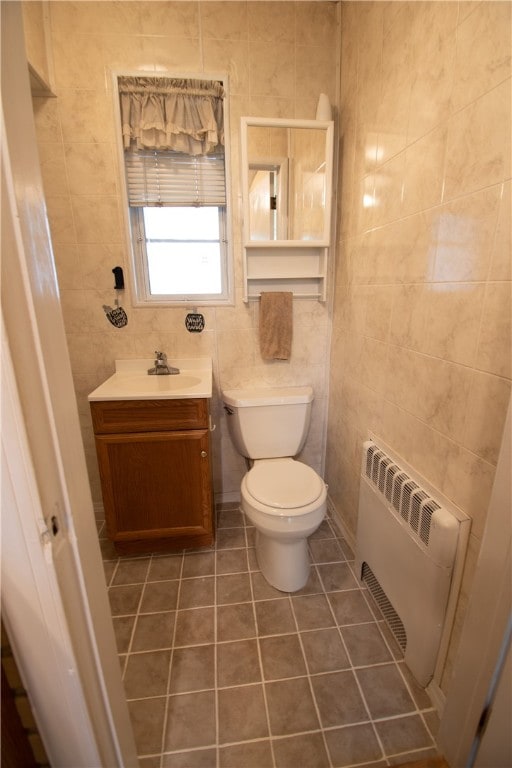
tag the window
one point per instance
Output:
(177, 197)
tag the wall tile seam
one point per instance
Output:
(427, 355)
(350, 236)
(452, 443)
(445, 122)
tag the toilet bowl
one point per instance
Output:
(285, 500)
(282, 497)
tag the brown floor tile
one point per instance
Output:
(165, 567)
(282, 657)
(313, 585)
(195, 626)
(231, 561)
(230, 538)
(197, 593)
(324, 651)
(235, 622)
(403, 734)
(262, 589)
(419, 694)
(123, 626)
(324, 630)
(365, 645)
(336, 576)
(230, 518)
(147, 674)
(233, 588)
(312, 612)
(253, 560)
(109, 567)
(131, 571)
(326, 551)
(422, 758)
(198, 758)
(346, 549)
(238, 663)
(108, 551)
(193, 669)
(250, 754)
(307, 750)
(324, 531)
(350, 607)
(147, 716)
(149, 762)
(353, 744)
(290, 706)
(124, 600)
(159, 596)
(198, 564)
(274, 617)
(242, 715)
(190, 721)
(338, 699)
(153, 631)
(384, 691)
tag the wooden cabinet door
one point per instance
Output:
(156, 485)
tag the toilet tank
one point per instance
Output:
(268, 423)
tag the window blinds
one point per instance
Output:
(173, 178)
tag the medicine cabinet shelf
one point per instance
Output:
(287, 192)
(301, 269)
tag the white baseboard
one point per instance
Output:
(437, 697)
(335, 514)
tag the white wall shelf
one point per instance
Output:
(300, 268)
(287, 250)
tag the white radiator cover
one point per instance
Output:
(412, 542)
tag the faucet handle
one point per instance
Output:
(160, 356)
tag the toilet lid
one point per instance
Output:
(284, 483)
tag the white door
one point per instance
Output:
(481, 689)
(54, 599)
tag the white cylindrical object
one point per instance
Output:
(323, 109)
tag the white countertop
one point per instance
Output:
(131, 381)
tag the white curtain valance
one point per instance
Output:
(171, 113)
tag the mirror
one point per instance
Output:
(287, 167)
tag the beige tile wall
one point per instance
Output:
(421, 350)
(279, 57)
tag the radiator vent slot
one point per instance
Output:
(411, 502)
(390, 615)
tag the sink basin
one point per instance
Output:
(158, 383)
(132, 382)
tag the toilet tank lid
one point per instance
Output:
(267, 396)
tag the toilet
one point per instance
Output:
(283, 498)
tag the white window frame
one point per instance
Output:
(141, 296)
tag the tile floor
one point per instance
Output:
(223, 671)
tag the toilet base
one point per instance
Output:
(284, 562)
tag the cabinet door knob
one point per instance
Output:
(204, 454)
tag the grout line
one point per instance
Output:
(311, 689)
(260, 659)
(169, 674)
(316, 569)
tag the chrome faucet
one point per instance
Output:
(161, 367)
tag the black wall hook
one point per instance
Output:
(119, 278)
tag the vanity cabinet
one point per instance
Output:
(154, 462)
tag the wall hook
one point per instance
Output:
(119, 278)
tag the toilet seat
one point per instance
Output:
(284, 484)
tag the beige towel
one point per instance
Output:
(276, 325)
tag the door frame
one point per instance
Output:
(478, 667)
(54, 598)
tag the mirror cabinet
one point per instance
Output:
(287, 189)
